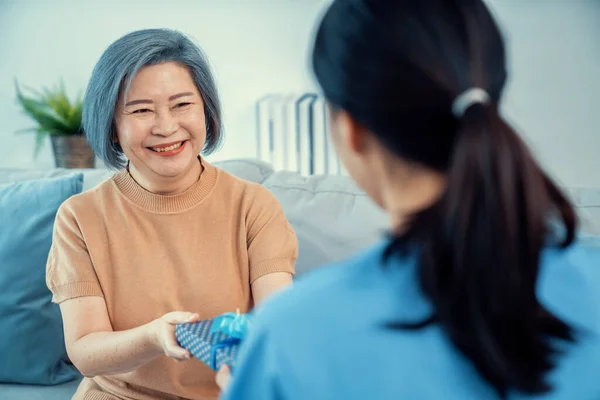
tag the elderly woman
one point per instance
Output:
(169, 238)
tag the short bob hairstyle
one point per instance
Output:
(114, 72)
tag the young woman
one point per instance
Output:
(480, 290)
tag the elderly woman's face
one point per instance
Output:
(161, 124)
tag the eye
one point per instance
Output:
(181, 105)
(141, 111)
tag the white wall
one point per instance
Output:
(255, 47)
(259, 46)
(552, 96)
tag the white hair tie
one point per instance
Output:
(467, 98)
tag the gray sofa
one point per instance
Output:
(330, 215)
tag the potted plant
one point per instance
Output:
(60, 119)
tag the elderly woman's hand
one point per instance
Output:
(223, 377)
(162, 334)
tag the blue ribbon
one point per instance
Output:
(231, 324)
(220, 345)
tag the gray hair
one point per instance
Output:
(115, 70)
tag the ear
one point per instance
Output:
(352, 133)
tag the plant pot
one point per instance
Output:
(72, 152)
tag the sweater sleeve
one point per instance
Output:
(272, 243)
(69, 271)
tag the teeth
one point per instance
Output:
(161, 149)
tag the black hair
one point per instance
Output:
(396, 67)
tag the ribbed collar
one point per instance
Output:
(167, 204)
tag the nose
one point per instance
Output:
(165, 124)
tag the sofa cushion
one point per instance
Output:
(64, 391)
(249, 169)
(91, 177)
(31, 337)
(331, 216)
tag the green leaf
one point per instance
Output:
(58, 101)
(52, 110)
(26, 130)
(40, 137)
(27, 102)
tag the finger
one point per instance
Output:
(223, 377)
(175, 351)
(181, 317)
(193, 318)
(178, 354)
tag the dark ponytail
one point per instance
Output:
(397, 68)
(480, 252)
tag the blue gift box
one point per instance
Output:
(214, 342)
(213, 349)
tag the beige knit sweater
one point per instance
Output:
(148, 255)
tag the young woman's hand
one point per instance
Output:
(162, 334)
(223, 377)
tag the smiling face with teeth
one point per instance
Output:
(161, 127)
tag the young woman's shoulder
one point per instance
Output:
(568, 282)
(320, 289)
(582, 256)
